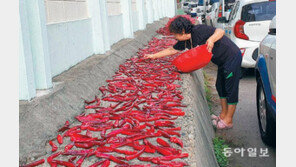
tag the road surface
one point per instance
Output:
(245, 133)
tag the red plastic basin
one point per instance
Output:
(193, 59)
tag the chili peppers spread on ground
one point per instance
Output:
(138, 123)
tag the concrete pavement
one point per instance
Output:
(245, 133)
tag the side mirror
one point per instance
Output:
(222, 20)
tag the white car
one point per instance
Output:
(193, 9)
(248, 24)
(185, 7)
(200, 9)
(212, 14)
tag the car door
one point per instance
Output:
(271, 66)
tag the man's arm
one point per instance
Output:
(218, 34)
(166, 52)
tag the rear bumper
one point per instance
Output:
(250, 47)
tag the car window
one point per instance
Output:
(234, 11)
(259, 11)
(185, 4)
(193, 6)
(200, 3)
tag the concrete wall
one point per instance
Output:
(68, 44)
(115, 22)
(135, 16)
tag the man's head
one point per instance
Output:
(181, 28)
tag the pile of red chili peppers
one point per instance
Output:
(139, 122)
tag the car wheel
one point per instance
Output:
(266, 125)
(243, 72)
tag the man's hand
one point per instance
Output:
(150, 56)
(210, 45)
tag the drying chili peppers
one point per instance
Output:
(136, 108)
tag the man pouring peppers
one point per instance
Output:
(226, 55)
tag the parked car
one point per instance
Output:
(200, 8)
(266, 85)
(191, 5)
(248, 25)
(193, 9)
(212, 14)
(185, 7)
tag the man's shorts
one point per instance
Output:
(228, 77)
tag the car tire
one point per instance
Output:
(266, 124)
(243, 72)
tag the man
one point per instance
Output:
(226, 55)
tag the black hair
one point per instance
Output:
(181, 24)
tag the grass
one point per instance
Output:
(208, 93)
(219, 145)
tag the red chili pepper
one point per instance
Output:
(145, 158)
(110, 157)
(65, 127)
(64, 163)
(126, 152)
(50, 158)
(98, 163)
(53, 146)
(177, 141)
(80, 161)
(72, 159)
(161, 150)
(60, 139)
(80, 138)
(106, 163)
(164, 123)
(130, 157)
(78, 152)
(89, 144)
(162, 142)
(36, 163)
(89, 102)
(170, 163)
